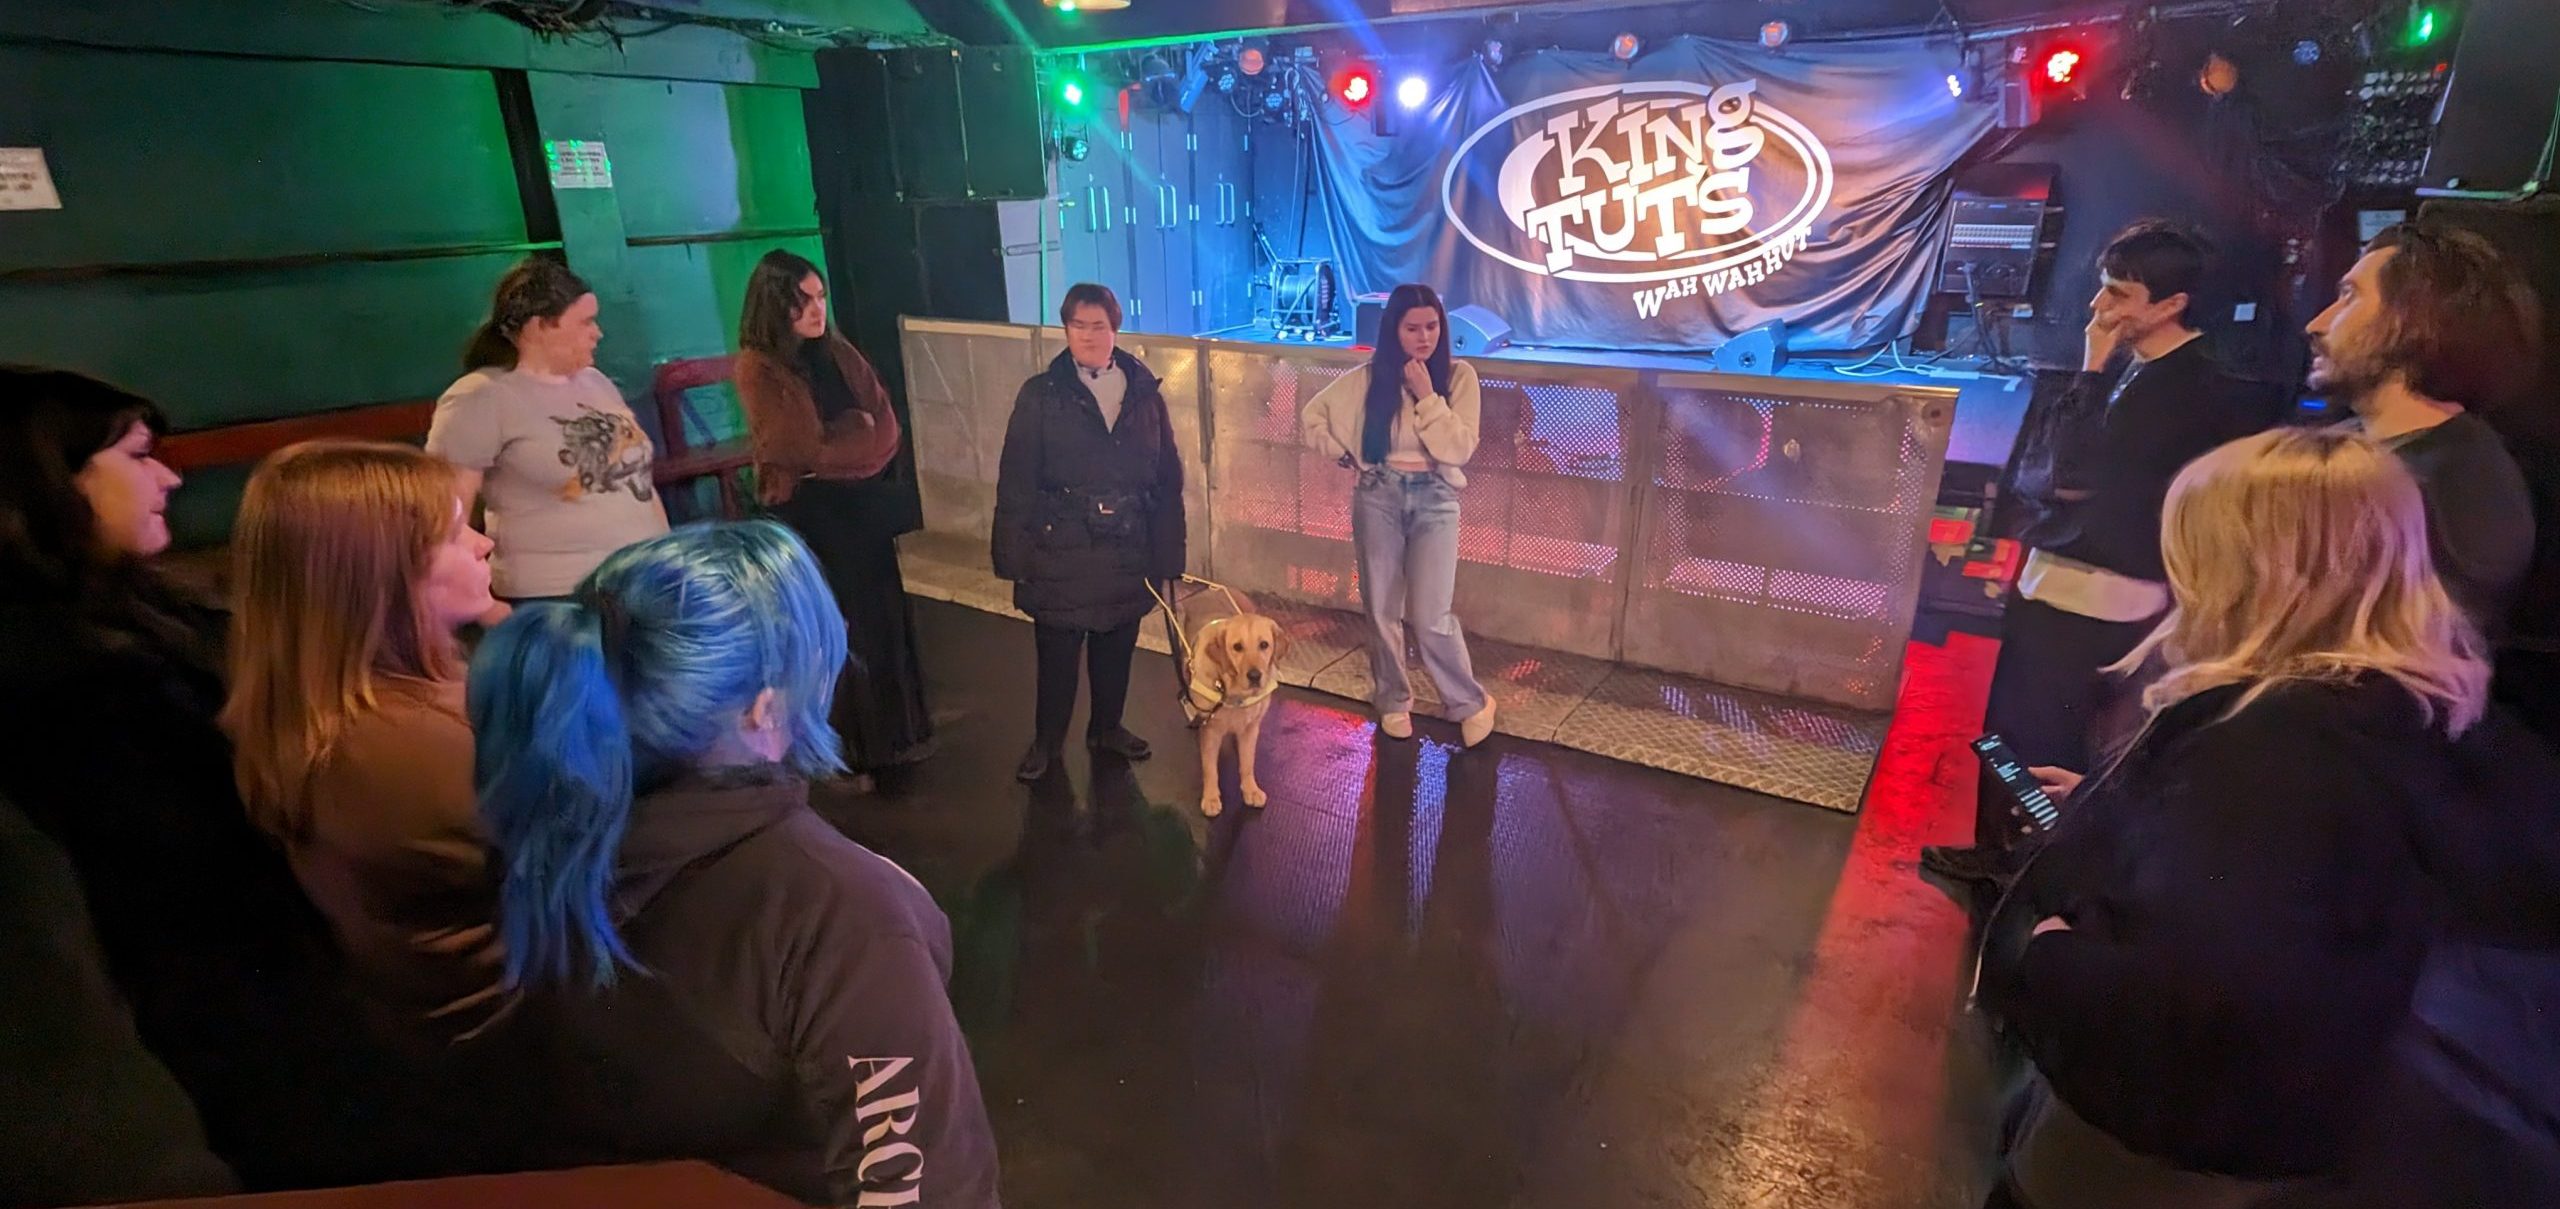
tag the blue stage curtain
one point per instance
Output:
(1850, 273)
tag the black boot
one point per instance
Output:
(1119, 742)
(1036, 763)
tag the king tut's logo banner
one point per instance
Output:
(1668, 201)
(1647, 183)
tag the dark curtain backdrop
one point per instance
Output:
(1880, 109)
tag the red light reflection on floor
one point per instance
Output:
(1859, 1069)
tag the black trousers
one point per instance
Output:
(2049, 698)
(880, 710)
(1106, 655)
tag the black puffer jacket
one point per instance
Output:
(1087, 515)
(2252, 900)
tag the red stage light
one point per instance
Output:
(1356, 86)
(2060, 64)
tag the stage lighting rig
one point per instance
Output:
(1625, 47)
(1412, 92)
(1251, 60)
(1776, 34)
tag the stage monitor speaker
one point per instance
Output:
(1475, 331)
(2501, 105)
(1762, 350)
(1367, 312)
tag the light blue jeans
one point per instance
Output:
(1404, 528)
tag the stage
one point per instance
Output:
(1713, 574)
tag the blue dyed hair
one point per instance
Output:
(580, 705)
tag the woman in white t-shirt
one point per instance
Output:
(543, 438)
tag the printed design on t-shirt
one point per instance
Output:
(608, 452)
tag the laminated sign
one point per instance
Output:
(25, 183)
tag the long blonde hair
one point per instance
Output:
(332, 543)
(2301, 555)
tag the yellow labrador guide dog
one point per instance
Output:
(1231, 660)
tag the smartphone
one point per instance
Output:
(2003, 765)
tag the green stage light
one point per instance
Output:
(2424, 24)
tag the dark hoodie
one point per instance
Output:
(789, 1021)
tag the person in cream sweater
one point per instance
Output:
(1407, 423)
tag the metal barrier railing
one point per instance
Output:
(1759, 532)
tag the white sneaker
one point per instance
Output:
(1398, 725)
(1474, 730)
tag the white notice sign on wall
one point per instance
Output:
(25, 183)
(577, 164)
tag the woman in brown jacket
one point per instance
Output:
(824, 437)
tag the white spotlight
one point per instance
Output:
(1955, 86)
(1412, 91)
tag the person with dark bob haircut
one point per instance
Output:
(543, 438)
(2093, 475)
(826, 448)
(2429, 326)
(1088, 514)
(109, 744)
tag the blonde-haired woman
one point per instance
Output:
(2212, 963)
(354, 565)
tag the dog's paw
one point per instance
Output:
(1254, 797)
(1211, 806)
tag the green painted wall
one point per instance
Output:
(225, 129)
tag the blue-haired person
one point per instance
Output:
(718, 972)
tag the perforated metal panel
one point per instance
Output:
(961, 380)
(1283, 513)
(1755, 532)
(1782, 531)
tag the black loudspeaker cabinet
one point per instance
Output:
(2499, 108)
(964, 124)
(925, 124)
(1000, 114)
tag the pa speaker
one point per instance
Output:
(1475, 331)
(964, 124)
(1762, 350)
(1000, 115)
(2501, 103)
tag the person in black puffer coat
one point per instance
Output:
(2216, 962)
(1088, 517)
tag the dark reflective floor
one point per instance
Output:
(1517, 976)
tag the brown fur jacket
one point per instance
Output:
(782, 422)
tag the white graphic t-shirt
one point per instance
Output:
(568, 473)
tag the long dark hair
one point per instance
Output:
(52, 421)
(536, 288)
(773, 297)
(1386, 368)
